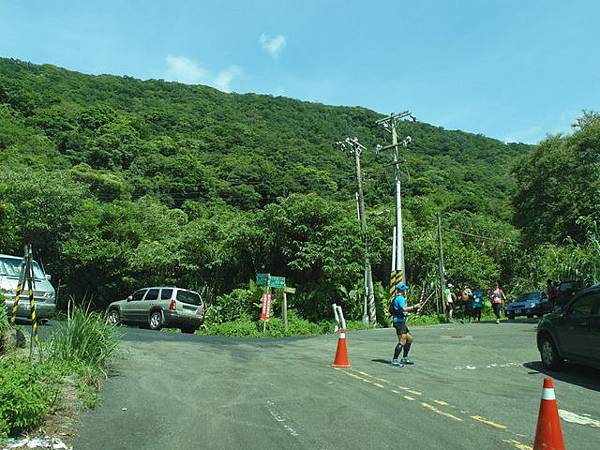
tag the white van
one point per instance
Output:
(44, 293)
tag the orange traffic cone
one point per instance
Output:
(341, 354)
(548, 435)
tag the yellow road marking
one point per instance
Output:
(353, 376)
(441, 413)
(489, 422)
(383, 380)
(517, 444)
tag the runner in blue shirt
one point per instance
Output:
(477, 303)
(399, 310)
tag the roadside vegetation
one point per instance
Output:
(31, 387)
(120, 184)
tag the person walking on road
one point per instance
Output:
(498, 299)
(551, 293)
(399, 311)
(450, 297)
(467, 298)
(477, 303)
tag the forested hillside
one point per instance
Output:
(121, 183)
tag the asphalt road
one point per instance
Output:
(474, 386)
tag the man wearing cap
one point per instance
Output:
(399, 311)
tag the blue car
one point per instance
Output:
(529, 304)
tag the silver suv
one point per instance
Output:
(43, 293)
(160, 307)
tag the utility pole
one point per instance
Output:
(441, 262)
(355, 148)
(389, 123)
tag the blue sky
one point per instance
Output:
(513, 70)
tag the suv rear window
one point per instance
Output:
(191, 298)
(165, 294)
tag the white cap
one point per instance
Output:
(450, 285)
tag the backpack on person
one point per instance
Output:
(393, 310)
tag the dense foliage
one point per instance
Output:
(26, 393)
(121, 183)
(557, 203)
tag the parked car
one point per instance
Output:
(573, 332)
(529, 304)
(160, 307)
(43, 292)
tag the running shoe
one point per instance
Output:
(406, 361)
(497, 320)
(396, 363)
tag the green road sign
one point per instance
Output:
(277, 282)
(262, 279)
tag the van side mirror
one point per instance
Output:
(129, 298)
(48, 277)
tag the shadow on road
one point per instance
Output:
(583, 376)
(382, 361)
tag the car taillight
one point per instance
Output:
(173, 305)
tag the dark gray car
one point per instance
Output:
(573, 332)
(160, 307)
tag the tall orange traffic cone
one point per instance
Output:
(548, 435)
(341, 354)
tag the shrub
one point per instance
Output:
(275, 327)
(85, 338)
(239, 304)
(26, 393)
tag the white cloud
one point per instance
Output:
(224, 78)
(186, 70)
(273, 45)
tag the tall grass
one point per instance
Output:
(85, 338)
(4, 327)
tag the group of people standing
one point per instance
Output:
(471, 302)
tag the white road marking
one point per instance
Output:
(279, 418)
(571, 417)
(489, 366)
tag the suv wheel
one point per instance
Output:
(114, 317)
(155, 320)
(548, 353)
